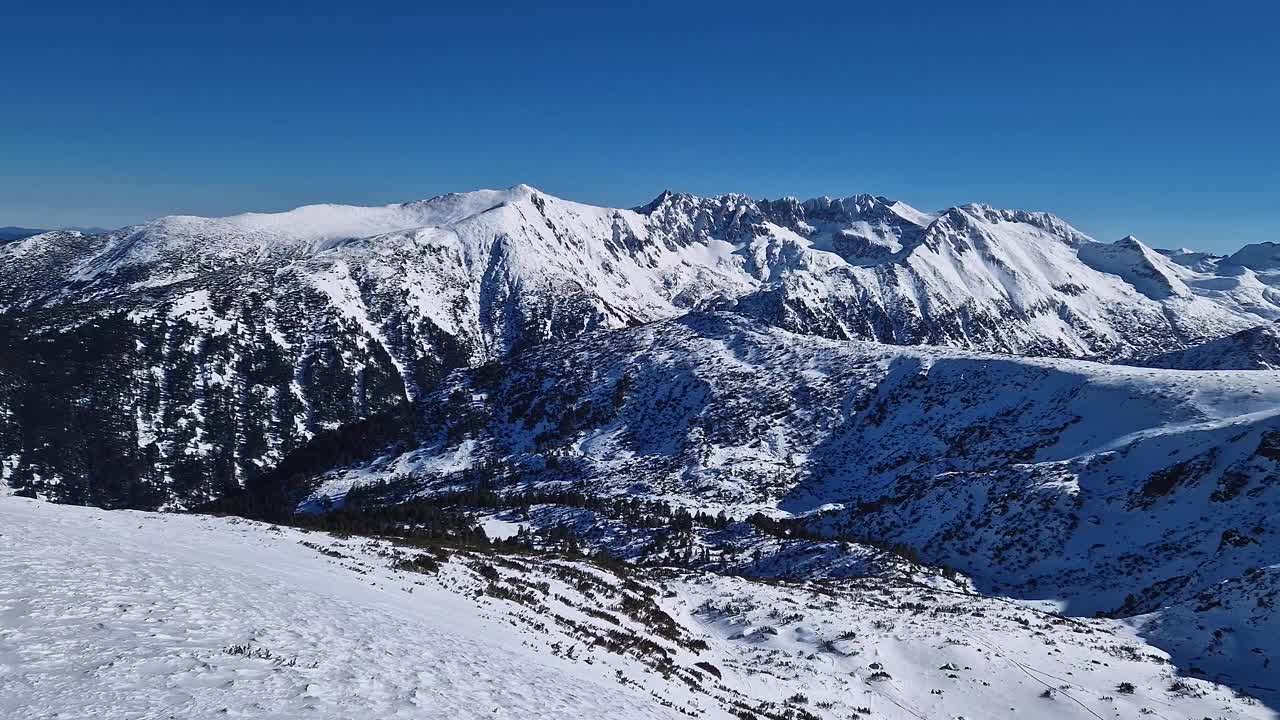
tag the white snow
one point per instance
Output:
(1029, 474)
(129, 615)
(137, 615)
(496, 528)
(975, 449)
(475, 264)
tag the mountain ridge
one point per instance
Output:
(243, 336)
(991, 464)
(792, 391)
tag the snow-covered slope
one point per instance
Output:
(1020, 281)
(1257, 348)
(231, 340)
(11, 232)
(1227, 630)
(821, 371)
(1244, 281)
(124, 614)
(136, 615)
(1263, 257)
(1067, 480)
(1192, 259)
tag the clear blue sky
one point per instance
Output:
(1157, 119)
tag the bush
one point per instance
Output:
(421, 563)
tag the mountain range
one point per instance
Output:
(12, 232)
(221, 344)
(746, 402)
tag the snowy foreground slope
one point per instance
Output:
(127, 614)
(135, 615)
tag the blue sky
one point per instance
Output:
(1121, 117)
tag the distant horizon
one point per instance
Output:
(1120, 118)
(931, 210)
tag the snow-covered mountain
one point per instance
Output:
(1139, 493)
(1261, 257)
(862, 267)
(1108, 488)
(1257, 348)
(10, 232)
(127, 614)
(220, 344)
(847, 450)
